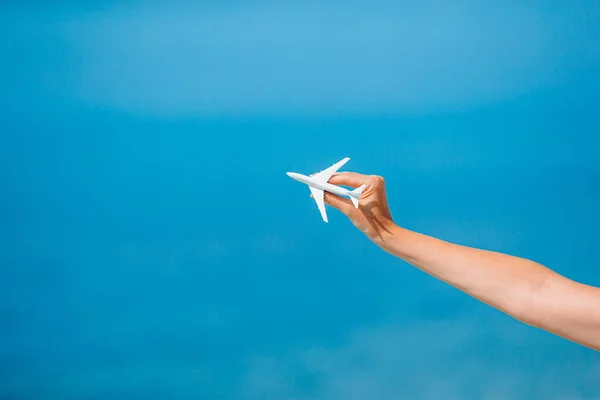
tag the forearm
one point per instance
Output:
(508, 283)
(521, 288)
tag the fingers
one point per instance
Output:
(344, 205)
(351, 179)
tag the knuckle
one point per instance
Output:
(377, 179)
(329, 199)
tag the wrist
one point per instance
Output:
(386, 235)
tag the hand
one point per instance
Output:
(373, 215)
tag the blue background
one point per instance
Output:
(153, 247)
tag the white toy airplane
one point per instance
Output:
(318, 185)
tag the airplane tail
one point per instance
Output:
(355, 194)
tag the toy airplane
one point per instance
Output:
(317, 184)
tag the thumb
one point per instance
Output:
(344, 205)
(336, 202)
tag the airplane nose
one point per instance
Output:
(293, 175)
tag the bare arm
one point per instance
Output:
(521, 288)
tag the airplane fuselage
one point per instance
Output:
(328, 187)
(319, 184)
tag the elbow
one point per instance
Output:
(532, 308)
(526, 313)
(530, 318)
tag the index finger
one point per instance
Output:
(351, 179)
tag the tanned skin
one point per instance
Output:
(526, 290)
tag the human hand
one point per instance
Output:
(373, 215)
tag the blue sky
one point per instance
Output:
(155, 248)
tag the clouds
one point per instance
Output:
(426, 360)
(172, 257)
(304, 58)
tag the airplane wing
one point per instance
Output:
(318, 195)
(324, 175)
